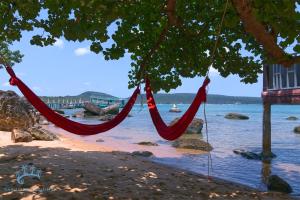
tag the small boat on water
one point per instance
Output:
(174, 109)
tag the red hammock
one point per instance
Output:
(175, 131)
(64, 123)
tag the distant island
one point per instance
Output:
(175, 98)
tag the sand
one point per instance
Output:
(72, 169)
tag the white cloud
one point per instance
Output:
(82, 51)
(87, 83)
(59, 43)
(6, 84)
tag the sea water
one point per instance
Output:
(225, 136)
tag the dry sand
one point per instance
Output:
(72, 169)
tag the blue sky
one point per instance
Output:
(69, 68)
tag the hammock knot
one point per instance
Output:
(13, 81)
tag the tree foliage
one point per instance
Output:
(8, 56)
(185, 41)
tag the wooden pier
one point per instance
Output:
(73, 103)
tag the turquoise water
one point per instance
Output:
(225, 136)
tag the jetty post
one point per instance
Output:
(266, 136)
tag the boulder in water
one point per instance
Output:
(275, 183)
(18, 135)
(92, 108)
(292, 118)
(142, 153)
(79, 114)
(297, 129)
(147, 143)
(192, 141)
(195, 126)
(248, 154)
(111, 109)
(60, 112)
(106, 117)
(236, 116)
(15, 112)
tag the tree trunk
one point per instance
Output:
(267, 130)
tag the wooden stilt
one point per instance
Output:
(266, 140)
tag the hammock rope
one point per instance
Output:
(64, 123)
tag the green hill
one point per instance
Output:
(187, 98)
(175, 98)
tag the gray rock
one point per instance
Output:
(79, 114)
(42, 134)
(292, 118)
(275, 183)
(60, 112)
(236, 116)
(107, 117)
(192, 141)
(99, 140)
(15, 112)
(18, 135)
(248, 154)
(92, 108)
(142, 153)
(44, 122)
(112, 109)
(297, 129)
(147, 143)
(195, 126)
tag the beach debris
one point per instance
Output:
(192, 141)
(18, 135)
(99, 140)
(195, 126)
(275, 183)
(15, 112)
(38, 133)
(236, 116)
(292, 118)
(297, 129)
(174, 109)
(147, 143)
(142, 153)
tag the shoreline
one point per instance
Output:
(81, 170)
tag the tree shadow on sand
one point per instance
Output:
(68, 174)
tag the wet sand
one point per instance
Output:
(73, 169)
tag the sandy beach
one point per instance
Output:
(73, 169)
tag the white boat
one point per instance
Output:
(174, 108)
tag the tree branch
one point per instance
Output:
(259, 32)
(171, 13)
